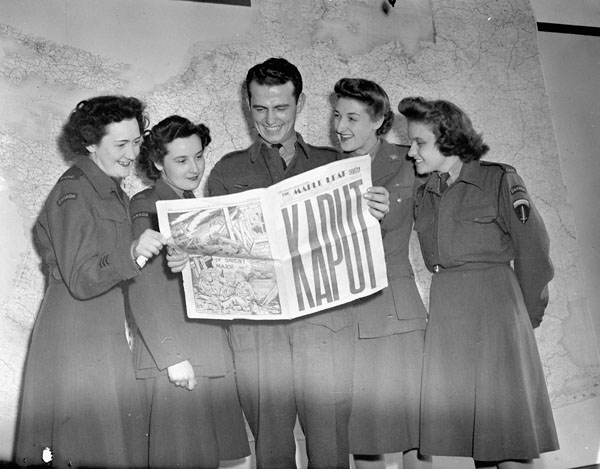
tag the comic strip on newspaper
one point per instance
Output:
(298, 247)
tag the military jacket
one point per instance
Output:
(84, 232)
(259, 166)
(158, 306)
(397, 308)
(486, 216)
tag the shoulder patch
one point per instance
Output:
(65, 197)
(518, 188)
(518, 195)
(137, 215)
(522, 209)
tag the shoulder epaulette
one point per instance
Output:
(505, 167)
(71, 174)
(403, 149)
(323, 147)
(234, 153)
(142, 194)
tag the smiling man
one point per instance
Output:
(301, 367)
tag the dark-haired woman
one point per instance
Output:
(484, 393)
(391, 323)
(80, 404)
(186, 365)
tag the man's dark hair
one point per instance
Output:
(274, 72)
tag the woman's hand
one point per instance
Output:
(148, 244)
(176, 260)
(378, 201)
(182, 375)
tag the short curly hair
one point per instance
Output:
(371, 95)
(154, 146)
(451, 126)
(88, 121)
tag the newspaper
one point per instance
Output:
(298, 247)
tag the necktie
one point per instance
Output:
(188, 195)
(444, 182)
(274, 154)
(278, 147)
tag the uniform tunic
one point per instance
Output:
(484, 393)
(80, 395)
(187, 428)
(390, 326)
(300, 367)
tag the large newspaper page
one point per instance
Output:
(298, 247)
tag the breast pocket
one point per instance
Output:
(243, 184)
(113, 225)
(399, 194)
(480, 213)
(400, 206)
(477, 230)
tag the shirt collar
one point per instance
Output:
(471, 174)
(454, 171)
(288, 148)
(373, 151)
(464, 172)
(166, 191)
(102, 182)
(289, 143)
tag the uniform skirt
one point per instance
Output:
(197, 428)
(484, 393)
(80, 396)
(385, 401)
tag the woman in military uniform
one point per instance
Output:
(80, 404)
(484, 394)
(186, 366)
(390, 324)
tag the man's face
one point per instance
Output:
(274, 110)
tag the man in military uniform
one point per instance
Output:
(301, 367)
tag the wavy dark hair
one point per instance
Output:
(370, 94)
(87, 122)
(274, 72)
(154, 146)
(451, 126)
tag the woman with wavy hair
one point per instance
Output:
(390, 324)
(185, 366)
(80, 405)
(484, 393)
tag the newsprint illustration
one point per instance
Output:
(300, 246)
